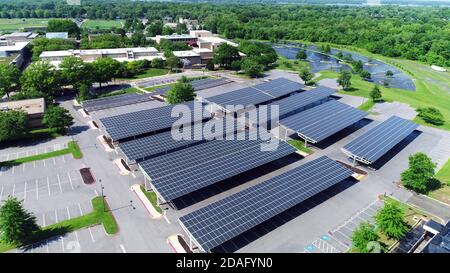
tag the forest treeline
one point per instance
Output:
(409, 32)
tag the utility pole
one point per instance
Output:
(103, 196)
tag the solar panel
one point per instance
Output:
(324, 120)
(151, 120)
(223, 220)
(279, 87)
(196, 84)
(378, 141)
(115, 101)
(158, 144)
(185, 171)
(293, 103)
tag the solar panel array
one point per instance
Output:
(158, 144)
(257, 94)
(324, 120)
(185, 171)
(223, 220)
(291, 104)
(151, 120)
(115, 101)
(196, 84)
(378, 141)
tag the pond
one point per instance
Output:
(320, 62)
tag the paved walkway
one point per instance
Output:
(431, 206)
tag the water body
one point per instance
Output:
(320, 62)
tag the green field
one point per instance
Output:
(290, 65)
(433, 88)
(18, 24)
(101, 24)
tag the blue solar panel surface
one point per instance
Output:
(185, 171)
(221, 221)
(115, 101)
(151, 120)
(163, 142)
(378, 141)
(324, 120)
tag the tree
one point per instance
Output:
(301, 55)
(58, 118)
(180, 92)
(225, 54)
(16, 224)
(83, 93)
(358, 66)
(306, 76)
(236, 65)
(158, 63)
(210, 65)
(9, 79)
(173, 62)
(75, 72)
(363, 236)
(365, 74)
(105, 69)
(154, 29)
(62, 25)
(375, 94)
(389, 73)
(251, 67)
(41, 77)
(431, 115)
(420, 173)
(13, 124)
(390, 220)
(344, 79)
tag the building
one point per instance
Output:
(90, 55)
(57, 35)
(440, 241)
(35, 109)
(16, 37)
(186, 38)
(14, 54)
(189, 58)
(171, 25)
(205, 54)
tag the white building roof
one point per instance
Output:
(58, 35)
(14, 48)
(66, 53)
(186, 53)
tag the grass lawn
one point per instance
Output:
(152, 198)
(153, 88)
(291, 65)
(18, 24)
(367, 105)
(101, 24)
(443, 194)
(431, 86)
(72, 148)
(152, 72)
(119, 92)
(98, 216)
(300, 145)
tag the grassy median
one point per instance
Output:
(151, 196)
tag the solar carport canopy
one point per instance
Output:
(152, 120)
(322, 121)
(185, 171)
(257, 94)
(153, 145)
(292, 103)
(378, 141)
(115, 101)
(223, 220)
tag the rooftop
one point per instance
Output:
(31, 106)
(16, 47)
(186, 53)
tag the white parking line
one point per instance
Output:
(23, 167)
(14, 189)
(37, 189)
(25, 192)
(48, 185)
(1, 194)
(70, 180)
(54, 161)
(34, 164)
(13, 168)
(68, 212)
(62, 243)
(123, 248)
(59, 182)
(43, 220)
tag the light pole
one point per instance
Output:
(103, 196)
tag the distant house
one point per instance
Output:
(14, 54)
(57, 35)
(16, 37)
(35, 109)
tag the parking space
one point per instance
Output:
(80, 241)
(59, 161)
(338, 240)
(5, 156)
(43, 187)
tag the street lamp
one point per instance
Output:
(103, 196)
